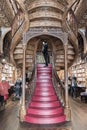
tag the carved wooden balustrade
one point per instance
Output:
(32, 83)
(59, 87)
(19, 26)
(69, 18)
(18, 22)
(70, 25)
(71, 22)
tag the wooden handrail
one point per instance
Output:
(57, 78)
(18, 35)
(58, 85)
(69, 9)
(32, 83)
(18, 28)
(72, 32)
(75, 2)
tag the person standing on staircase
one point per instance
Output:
(45, 52)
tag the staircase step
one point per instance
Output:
(44, 77)
(46, 84)
(44, 93)
(44, 69)
(50, 75)
(44, 89)
(44, 99)
(45, 112)
(45, 105)
(44, 80)
(52, 120)
(42, 65)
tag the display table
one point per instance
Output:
(80, 89)
(84, 96)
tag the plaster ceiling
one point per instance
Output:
(7, 12)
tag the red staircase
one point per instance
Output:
(45, 107)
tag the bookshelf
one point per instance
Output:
(7, 71)
(79, 70)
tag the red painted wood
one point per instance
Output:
(40, 93)
(41, 120)
(44, 84)
(44, 99)
(44, 89)
(45, 107)
(44, 73)
(41, 88)
(44, 77)
(50, 75)
(44, 80)
(45, 112)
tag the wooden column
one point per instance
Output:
(22, 107)
(67, 107)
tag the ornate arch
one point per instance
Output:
(63, 36)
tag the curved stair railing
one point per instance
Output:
(69, 20)
(32, 80)
(59, 87)
(72, 29)
(45, 107)
(32, 84)
(70, 24)
(20, 26)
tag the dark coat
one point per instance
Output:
(45, 49)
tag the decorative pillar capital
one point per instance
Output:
(24, 47)
(66, 48)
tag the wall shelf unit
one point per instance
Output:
(79, 70)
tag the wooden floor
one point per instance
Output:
(79, 114)
(9, 119)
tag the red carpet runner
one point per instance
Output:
(45, 107)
